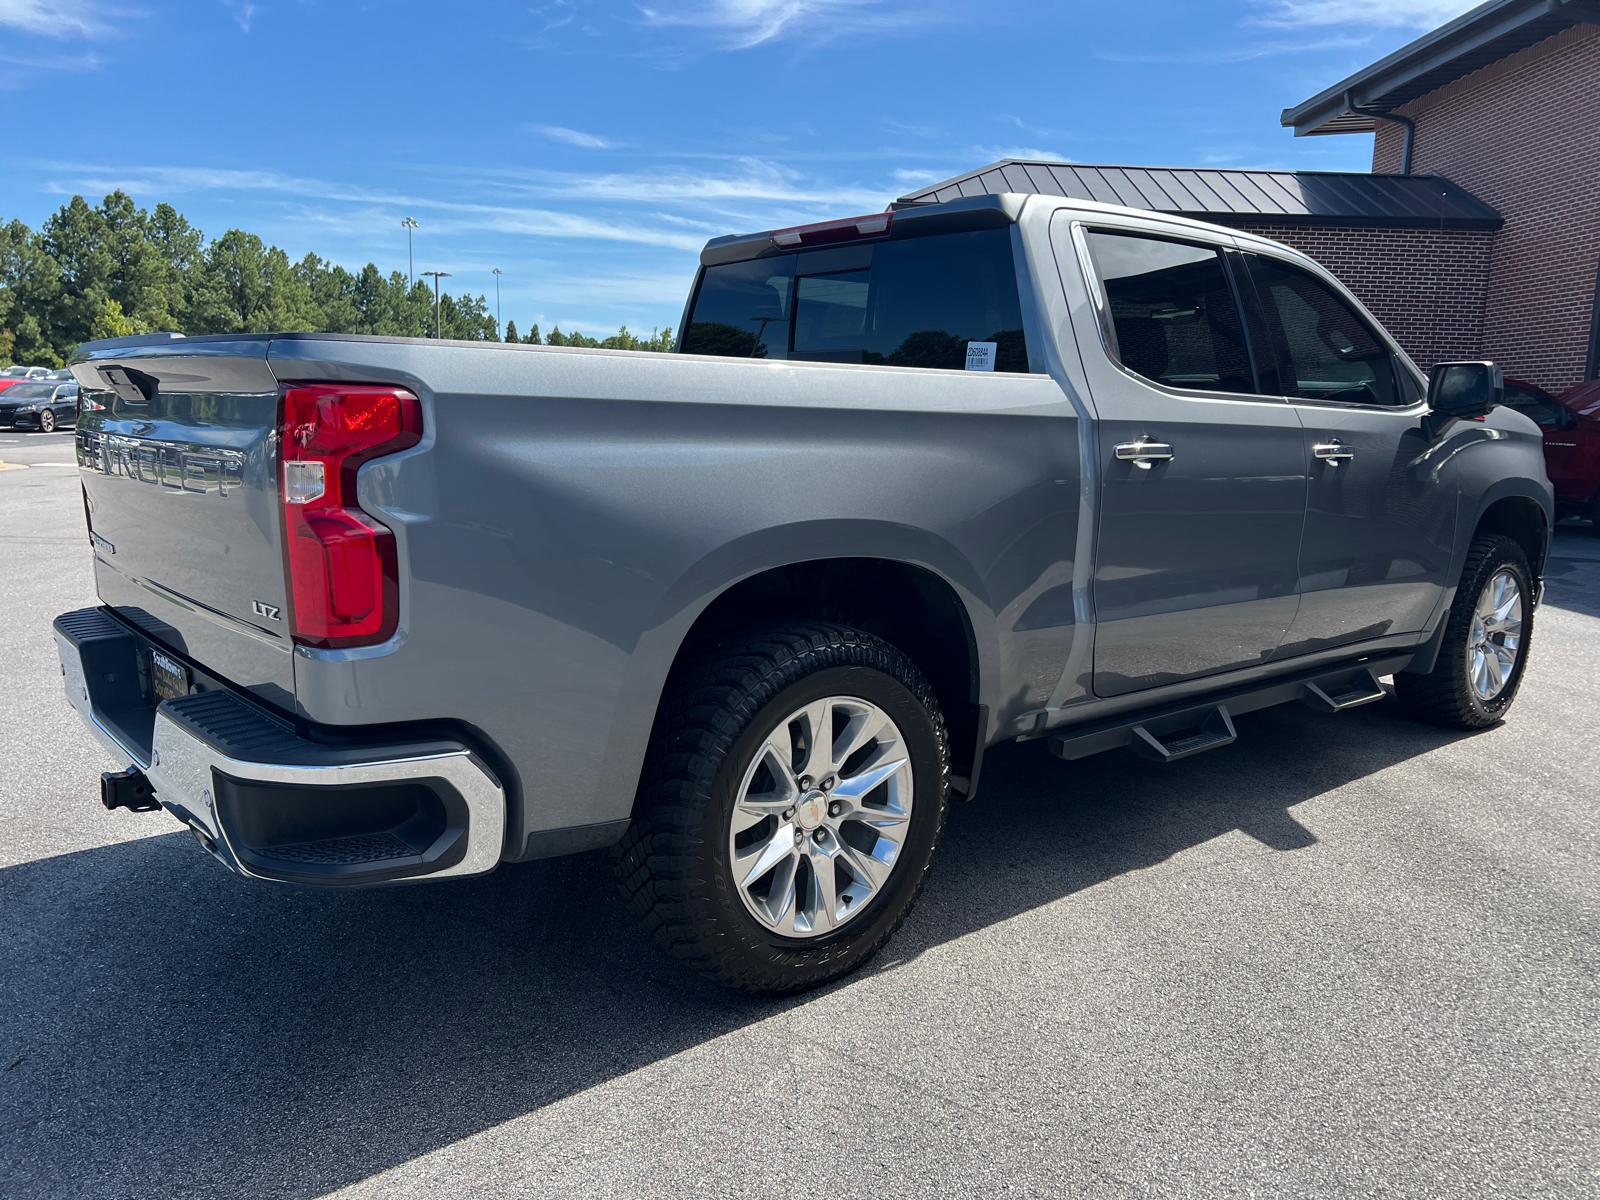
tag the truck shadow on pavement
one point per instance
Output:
(171, 1031)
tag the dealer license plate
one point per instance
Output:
(169, 677)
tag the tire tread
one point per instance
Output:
(1441, 697)
(707, 705)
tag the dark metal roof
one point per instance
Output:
(1230, 197)
(1472, 41)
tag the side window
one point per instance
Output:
(1328, 351)
(1173, 313)
(1540, 407)
(915, 302)
(742, 310)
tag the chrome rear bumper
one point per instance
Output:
(271, 804)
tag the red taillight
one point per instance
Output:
(828, 232)
(343, 583)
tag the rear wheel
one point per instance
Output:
(1486, 638)
(793, 796)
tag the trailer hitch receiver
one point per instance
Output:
(128, 789)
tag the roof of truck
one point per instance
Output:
(1232, 197)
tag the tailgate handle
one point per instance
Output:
(135, 387)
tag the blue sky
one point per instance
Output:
(588, 149)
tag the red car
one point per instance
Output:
(1571, 427)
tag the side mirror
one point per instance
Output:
(1465, 389)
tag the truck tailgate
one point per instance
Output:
(176, 450)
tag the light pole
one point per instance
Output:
(437, 275)
(408, 225)
(497, 302)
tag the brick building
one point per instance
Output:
(1480, 241)
(1504, 101)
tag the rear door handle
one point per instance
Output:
(1333, 453)
(1143, 454)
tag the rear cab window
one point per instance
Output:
(947, 301)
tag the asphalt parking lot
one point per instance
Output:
(1347, 956)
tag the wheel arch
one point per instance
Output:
(1522, 517)
(919, 590)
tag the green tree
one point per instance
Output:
(30, 280)
(466, 318)
(110, 322)
(332, 295)
(260, 290)
(181, 246)
(108, 270)
(658, 341)
(138, 277)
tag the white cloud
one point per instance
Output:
(242, 11)
(451, 216)
(1234, 54)
(741, 24)
(572, 137)
(1414, 14)
(758, 180)
(53, 18)
(996, 153)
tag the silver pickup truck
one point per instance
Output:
(380, 609)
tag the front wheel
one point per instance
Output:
(47, 421)
(1486, 638)
(794, 792)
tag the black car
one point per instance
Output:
(45, 405)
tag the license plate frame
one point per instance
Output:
(169, 678)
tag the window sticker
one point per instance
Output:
(980, 355)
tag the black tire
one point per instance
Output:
(1445, 696)
(1594, 514)
(47, 421)
(673, 866)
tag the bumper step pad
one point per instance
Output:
(269, 797)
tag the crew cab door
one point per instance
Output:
(1202, 477)
(1380, 509)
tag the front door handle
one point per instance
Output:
(1143, 454)
(1333, 453)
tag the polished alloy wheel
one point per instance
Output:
(822, 812)
(1496, 636)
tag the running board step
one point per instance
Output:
(1214, 729)
(1182, 729)
(1330, 697)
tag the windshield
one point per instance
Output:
(28, 391)
(14, 373)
